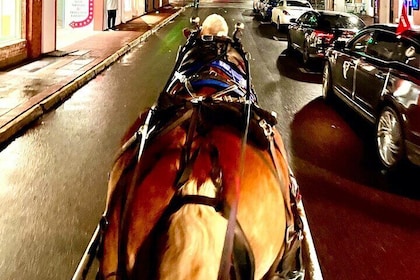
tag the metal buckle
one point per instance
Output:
(181, 77)
(207, 38)
(267, 128)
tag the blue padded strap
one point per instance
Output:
(230, 71)
(215, 84)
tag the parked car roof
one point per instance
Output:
(338, 19)
(303, 3)
(413, 33)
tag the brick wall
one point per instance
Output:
(13, 54)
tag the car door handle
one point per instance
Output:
(380, 76)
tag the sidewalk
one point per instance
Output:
(32, 89)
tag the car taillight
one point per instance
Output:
(321, 37)
(347, 34)
(286, 13)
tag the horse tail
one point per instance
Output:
(195, 238)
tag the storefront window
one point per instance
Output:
(415, 4)
(10, 20)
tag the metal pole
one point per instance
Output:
(87, 258)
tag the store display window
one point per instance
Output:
(10, 20)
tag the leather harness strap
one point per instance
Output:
(290, 264)
(237, 259)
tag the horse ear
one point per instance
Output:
(195, 21)
(187, 32)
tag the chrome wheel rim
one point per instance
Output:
(389, 138)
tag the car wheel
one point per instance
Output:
(305, 54)
(327, 82)
(389, 138)
(289, 43)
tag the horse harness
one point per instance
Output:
(202, 62)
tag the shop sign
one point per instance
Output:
(79, 13)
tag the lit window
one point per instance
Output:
(10, 20)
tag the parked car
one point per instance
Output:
(314, 31)
(377, 74)
(257, 6)
(288, 9)
(268, 9)
(264, 8)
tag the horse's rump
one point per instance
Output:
(159, 171)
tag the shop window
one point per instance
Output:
(415, 4)
(10, 20)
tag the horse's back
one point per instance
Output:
(169, 209)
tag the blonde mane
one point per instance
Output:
(215, 25)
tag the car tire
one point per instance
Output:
(327, 91)
(389, 139)
(289, 43)
(278, 25)
(305, 54)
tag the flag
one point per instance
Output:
(404, 22)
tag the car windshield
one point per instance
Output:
(342, 21)
(298, 4)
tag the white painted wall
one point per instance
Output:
(384, 12)
(48, 26)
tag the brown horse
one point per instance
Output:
(202, 188)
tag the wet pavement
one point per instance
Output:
(31, 89)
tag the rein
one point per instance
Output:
(229, 238)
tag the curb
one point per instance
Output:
(45, 105)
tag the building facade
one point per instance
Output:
(382, 11)
(31, 28)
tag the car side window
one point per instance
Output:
(408, 53)
(360, 45)
(382, 46)
(324, 23)
(413, 59)
(304, 19)
(313, 20)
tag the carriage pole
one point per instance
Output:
(87, 258)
